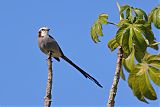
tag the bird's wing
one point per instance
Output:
(57, 59)
(52, 45)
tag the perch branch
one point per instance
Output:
(47, 98)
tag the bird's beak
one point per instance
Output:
(48, 29)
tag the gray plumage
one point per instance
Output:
(48, 44)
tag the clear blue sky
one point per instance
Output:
(23, 68)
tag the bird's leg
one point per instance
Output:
(49, 54)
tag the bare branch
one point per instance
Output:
(47, 98)
(113, 89)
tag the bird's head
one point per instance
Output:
(43, 31)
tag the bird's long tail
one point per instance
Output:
(82, 71)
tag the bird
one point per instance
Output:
(48, 44)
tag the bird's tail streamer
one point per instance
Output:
(82, 71)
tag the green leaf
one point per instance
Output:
(127, 41)
(130, 40)
(145, 29)
(140, 75)
(140, 83)
(139, 40)
(128, 13)
(103, 18)
(122, 75)
(119, 34)
(94, 35)
(156, 18)
(129, 62)
(98, 28)
(112, 44)
(140, 45)
(150, 16)
(154, 45)
(154, 74)
(140, 13)
(123, 22)
(135, 87)
(139, 54)
(147, 32)
(154, 60)
(155, 63)
(123, 8)
(119, 8)
(152, 57)
(146, 87)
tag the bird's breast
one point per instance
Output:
(47, 45)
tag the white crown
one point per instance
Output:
(43, 28)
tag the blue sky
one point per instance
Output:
(23, 66)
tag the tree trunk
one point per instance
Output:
(113, 89)
(47, 98)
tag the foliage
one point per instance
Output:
(154, 17)
(142, 73)
(96, 29)
(135, 35)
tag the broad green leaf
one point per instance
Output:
(156, 18)
(147, 32)
(146, 87)
(136, 35)
(119, 34)
(140, 45)
(140, 13)
(154, 74)
(139, 22)
(152, 57)
(123, 8)
(125, 42)
(154, 60)
(129, 62)
(130, 40)
(155, 63)
(140, 83)
(142, 73)
(122, 74)
(128, 13)
(94, 35)
(145, 29)
(139, 40)
(132, 14)
(154, 45)
(135, 87)
(123, 22)
(98, 28)
(119, 8)
(112, 44)
(139, 54)
(103, 18)
(147, 56)
(150, 16)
